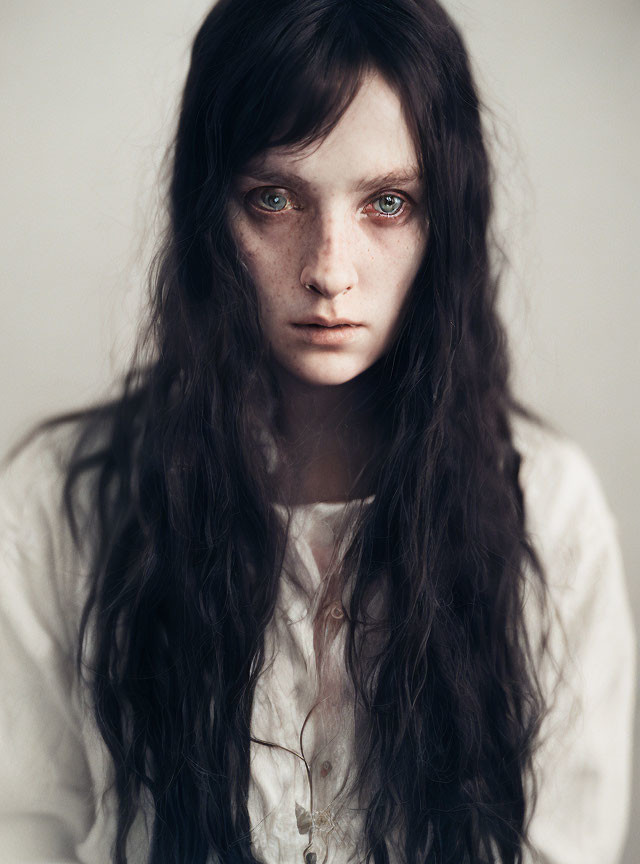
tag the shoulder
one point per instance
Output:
(564, 501)
(575, 535)
(54, 465)
(588, 668)
(32, 480)
(42, 567)
(38, 461)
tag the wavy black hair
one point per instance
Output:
(188, 552)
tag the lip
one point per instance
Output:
(326, 322)
(326, 335)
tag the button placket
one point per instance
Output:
(321, 824)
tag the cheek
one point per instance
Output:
(391, 265)
(272, 254)
(267, 251)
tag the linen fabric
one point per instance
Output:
(56, 804)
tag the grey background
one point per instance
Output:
(88, 93)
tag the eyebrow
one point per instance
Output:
(397, 177)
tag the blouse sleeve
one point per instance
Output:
(583, 766)
(46, 805)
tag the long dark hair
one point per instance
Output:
(188, 551)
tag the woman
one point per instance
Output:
(331, 594)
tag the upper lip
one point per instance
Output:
(326, 322)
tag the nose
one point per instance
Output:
(329, 266)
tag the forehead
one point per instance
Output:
(372, 139)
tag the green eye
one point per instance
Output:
(272, 200)
(390, 205)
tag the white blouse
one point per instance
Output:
(55, 802)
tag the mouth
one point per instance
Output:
(328, 335)
(326, 326)
(327, 323)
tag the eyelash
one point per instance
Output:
(376, 213)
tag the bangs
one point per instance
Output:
(298, 87)
(311, 105)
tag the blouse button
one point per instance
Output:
(337, 611)
(325, 768)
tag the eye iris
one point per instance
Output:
(274, 201)
(389, 204)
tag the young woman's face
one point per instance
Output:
(334, 231)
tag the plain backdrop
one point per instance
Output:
(88, 94)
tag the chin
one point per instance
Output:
(324, 376)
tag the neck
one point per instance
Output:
(328, 435)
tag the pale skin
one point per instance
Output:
(335, 230)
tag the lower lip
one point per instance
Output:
(328, 335)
